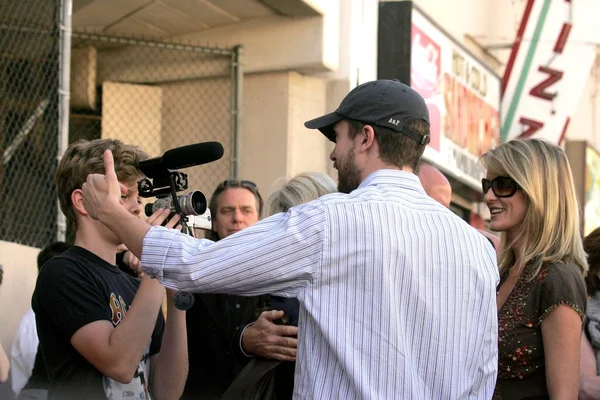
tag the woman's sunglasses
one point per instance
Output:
(502, 186)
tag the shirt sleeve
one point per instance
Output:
(279, 255)
(564, 285)
(68, 298)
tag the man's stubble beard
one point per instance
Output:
(348, 173)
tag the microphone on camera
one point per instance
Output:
(182, 157)
(193, 154)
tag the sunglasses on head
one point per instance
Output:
(237, 183)
(502, 186)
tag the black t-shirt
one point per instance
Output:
(73, 290)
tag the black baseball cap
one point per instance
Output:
(386, 103)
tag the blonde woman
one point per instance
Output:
(541, 296)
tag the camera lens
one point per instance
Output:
(193, 203)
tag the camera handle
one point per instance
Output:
(182, 300)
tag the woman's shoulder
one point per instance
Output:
(563, 284)
(562, 272)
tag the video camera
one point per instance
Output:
(163, 181)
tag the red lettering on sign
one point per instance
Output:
(562, 38)
(532, 127)
(539, 90)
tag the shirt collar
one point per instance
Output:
(394, 177)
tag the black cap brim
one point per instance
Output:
(325, 124)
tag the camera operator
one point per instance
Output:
(216, 322)
(101, 330)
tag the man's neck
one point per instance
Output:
(91, 241)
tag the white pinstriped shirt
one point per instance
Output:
(397, 294)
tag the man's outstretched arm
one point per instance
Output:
(278, 255)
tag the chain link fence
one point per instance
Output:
(154, 94)
(157, 95)
(29, 68)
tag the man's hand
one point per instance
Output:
(269, 340)
(102, 192)
(158, 218)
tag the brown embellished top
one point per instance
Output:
(521, 369)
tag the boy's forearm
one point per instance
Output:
(171, 370)
(129, 340)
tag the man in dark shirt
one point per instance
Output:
(223, 330)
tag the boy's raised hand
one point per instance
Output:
(101, 192)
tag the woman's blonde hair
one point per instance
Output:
(551, 231)
(300, 189)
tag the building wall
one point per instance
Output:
(585, 123)
(198, 111)
(132, 113)
(274, 142)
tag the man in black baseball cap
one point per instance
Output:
(397, 294)
(382, 119)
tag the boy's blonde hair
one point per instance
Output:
(87, 157)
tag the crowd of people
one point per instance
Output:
(369, 289)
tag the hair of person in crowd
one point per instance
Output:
(298, 190)
(51, 251)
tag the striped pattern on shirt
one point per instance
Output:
(397, 294)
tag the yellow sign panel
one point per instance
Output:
(592, 190)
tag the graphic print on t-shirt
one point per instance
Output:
(118, 307)
(138, 387)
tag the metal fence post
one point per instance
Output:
(64, 98)
(237, 82)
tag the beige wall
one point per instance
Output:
(278, 43)
(20, 273)
(307, 149)
(264, 144)
(198, 111)
(132, 113)
(585, 122)
(147, 64)
(274, 142)
(83, 78)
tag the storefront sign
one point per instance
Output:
(463, 97)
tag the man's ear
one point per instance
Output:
(77, 201)
(367, 137)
